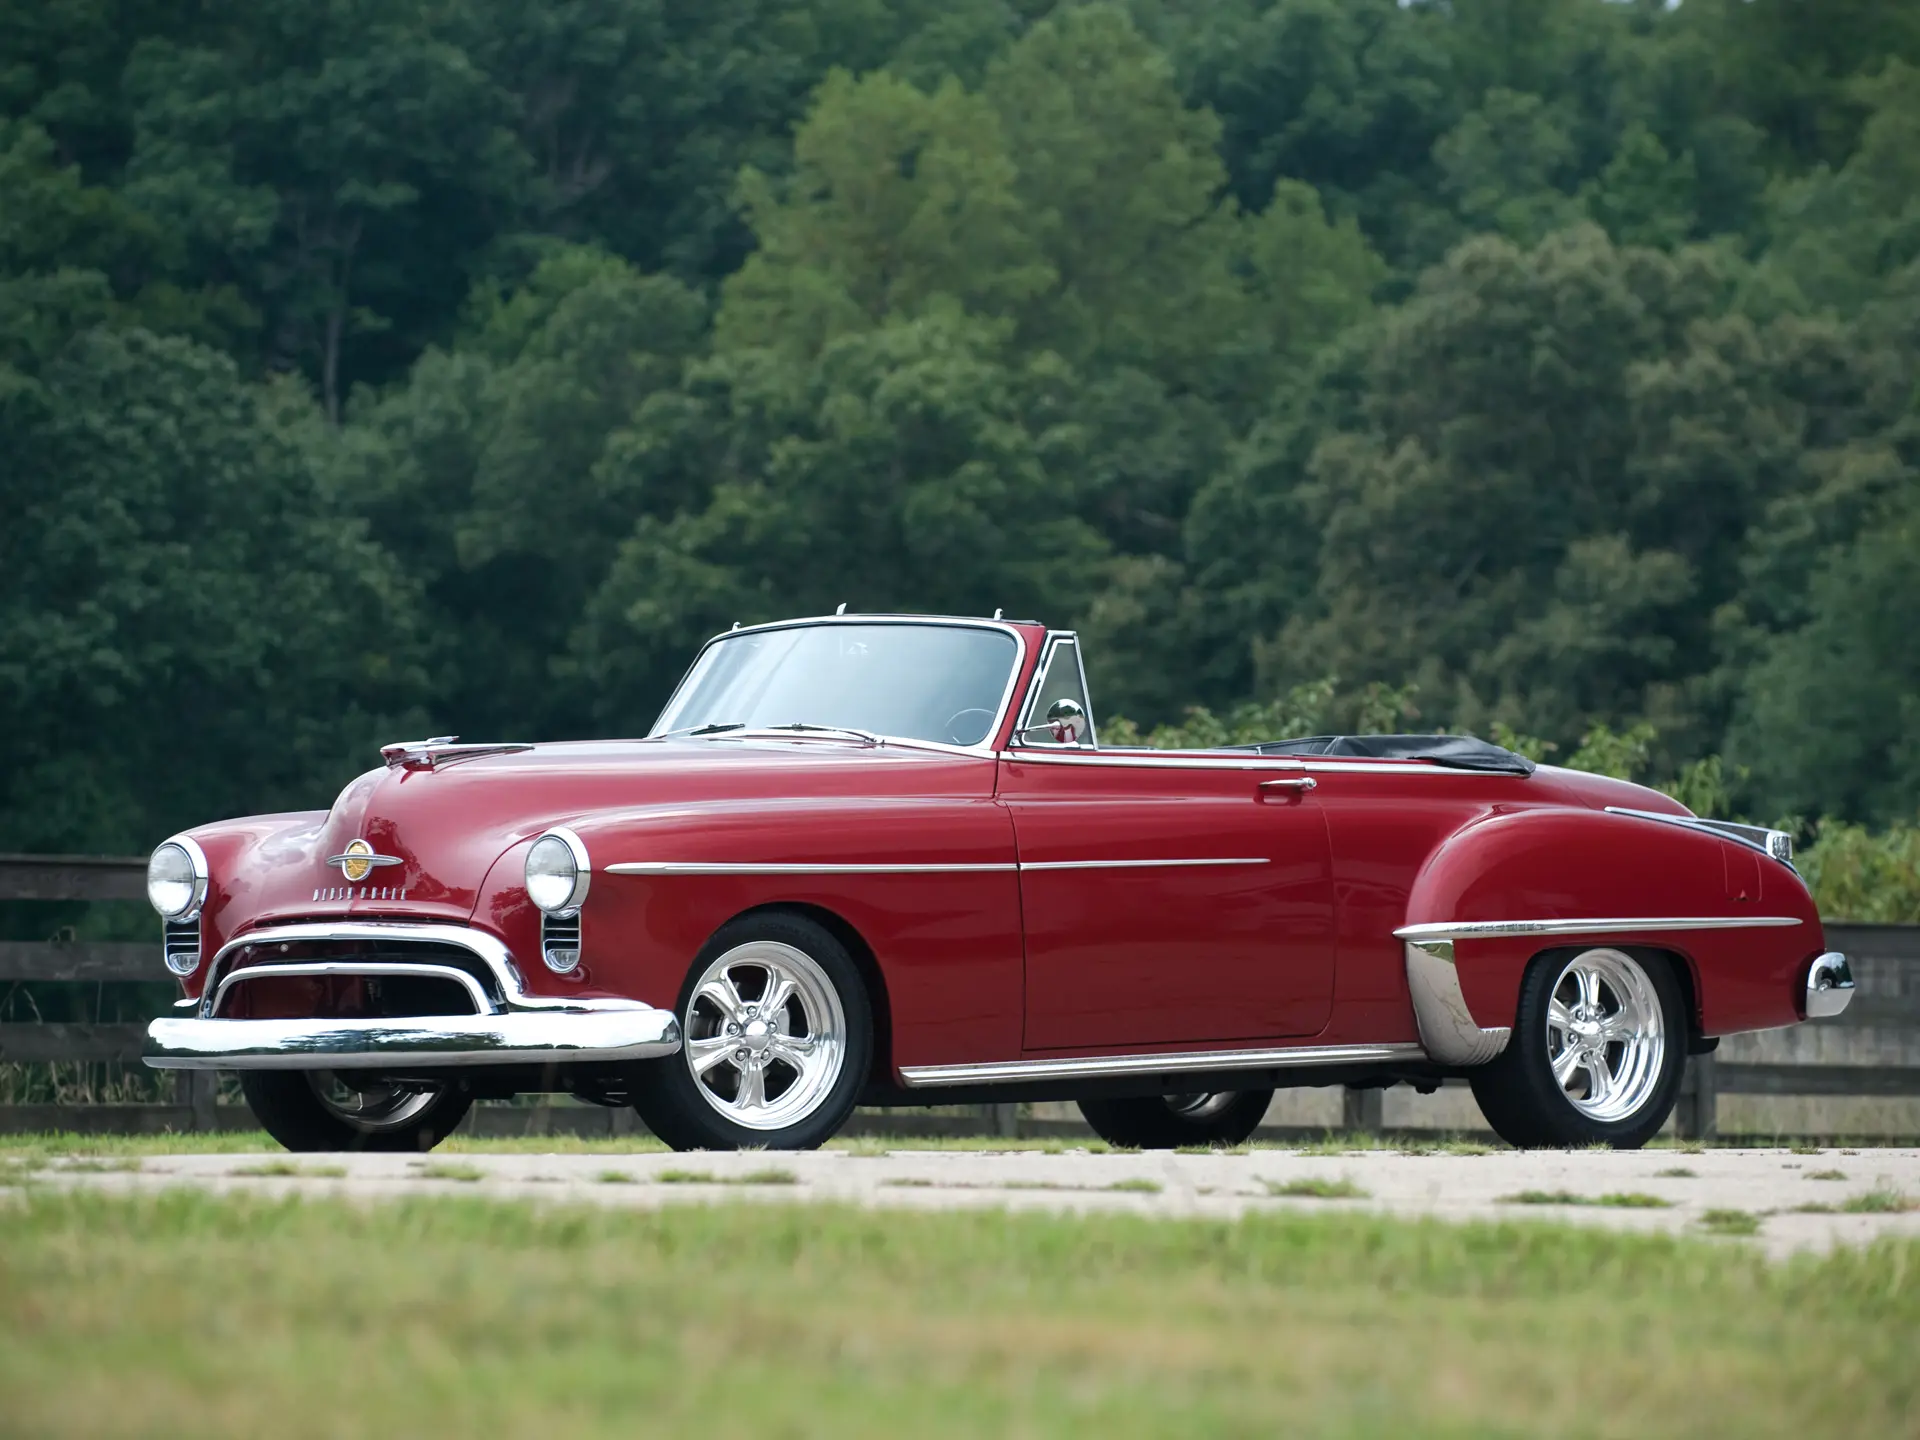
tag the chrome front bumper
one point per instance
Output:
(1829, 986)
(538, 1037)
(514, 1028)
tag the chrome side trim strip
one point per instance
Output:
(1182, 1063)
(1163, 760)
(356, 968)
(1447, 1030)
(1486, 929)
(525, 1037)
(728, 867)
(1139, 864)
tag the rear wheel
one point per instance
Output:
(1598, 1047)
(777, 1034)
(337, 1110)
(1166, 1122)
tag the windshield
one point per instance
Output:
(912, 681)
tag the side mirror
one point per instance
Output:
(1066, 723)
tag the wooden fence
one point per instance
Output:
(1871, 1051)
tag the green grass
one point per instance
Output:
(1730, 1222)
(1315, 1189)
(1880, 1202)
(1138, 1186)
(1618, 1200)
(769, 1176)
(290, 1169)
(90, 1164)
(189, 1313)
(1826, 1174)
(616, 1177)
(1677, 1172)
(446, 1170)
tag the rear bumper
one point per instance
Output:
(550, 1037)
(1829, 986)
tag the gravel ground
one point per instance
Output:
(1861, 1194)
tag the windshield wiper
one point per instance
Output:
(802, 728)
(700, 730)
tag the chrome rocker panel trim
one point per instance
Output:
(1093, 1067)
(1447, 1030)
(516, 1028)
(1829, 986)
(549, 1037)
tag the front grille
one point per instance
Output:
(454, 957)
(560, 941)
(180, 945)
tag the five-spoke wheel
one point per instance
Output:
(777, 1037)
(1596, 1053)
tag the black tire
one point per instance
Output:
(1530, 1109)
(1167, 1122)
(686, 1112)
(289, 1107)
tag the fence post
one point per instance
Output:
(1001, 1119)
(1697, 1116)
(199, 1091)
(1362, 1111)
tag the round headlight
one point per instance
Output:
(176, 880)
(557, 872)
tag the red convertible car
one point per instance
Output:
(884, 860)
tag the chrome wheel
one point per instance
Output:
(765, 1035)
(1203, 1106)
(1606, 1034)
(371, 1106)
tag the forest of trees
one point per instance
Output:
(371, 368)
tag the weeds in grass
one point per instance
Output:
(1677, 1172)
(1315, 1188)
(769, 1176)
(17, 1172)
(1137, 1185)
(288, 1169)
(1730, 1222)
(1211, 1150)
(1826, 1175)
(440, 1170)
(1618, 1200)
(615, 1177)
(88, 1164)
(1806, 1150)
(909, 1182)
(1882, 1201)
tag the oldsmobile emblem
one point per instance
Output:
(358, 860)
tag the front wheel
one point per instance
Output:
(1167, 1122)
(777, 1034)
(1598, 1046)
(309, 1110)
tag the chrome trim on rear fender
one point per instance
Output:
(1490, 929)
(1829, 986)
(1091, 1067)
(1776, 843)
(1448, 1031)
(543, 1037)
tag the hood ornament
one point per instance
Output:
(359, 860)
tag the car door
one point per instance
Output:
(1165, 897)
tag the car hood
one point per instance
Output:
(435, 832)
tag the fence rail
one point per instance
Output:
(1873, 1051)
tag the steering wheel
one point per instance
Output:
(973, 733)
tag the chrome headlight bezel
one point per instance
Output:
(189, 879)
(545, 872)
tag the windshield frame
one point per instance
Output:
(1022, 662)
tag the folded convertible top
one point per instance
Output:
(1460, 752)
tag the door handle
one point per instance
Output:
(1300, 784)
